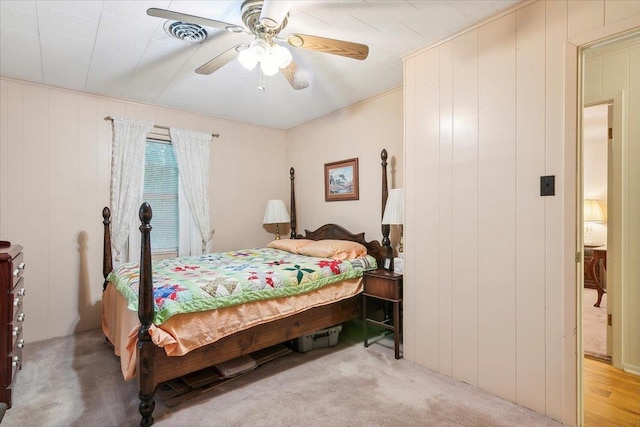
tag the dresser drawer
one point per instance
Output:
(14, 363)
(386, 286)
(14, 332)
(16, 297)
(16, 341)
(18, 266)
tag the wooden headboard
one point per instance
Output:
(337, 232)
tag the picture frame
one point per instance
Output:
(341, 180)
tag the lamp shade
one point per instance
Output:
(276, 213)
(271, 57)
(593, 211)
(393, 211)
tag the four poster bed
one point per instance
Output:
(157, 351)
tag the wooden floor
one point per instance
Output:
(611, 396)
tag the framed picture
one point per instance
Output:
(341, 180)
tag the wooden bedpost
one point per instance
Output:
(386, 228)
(107, 261)
(292, 173)
(145, 314)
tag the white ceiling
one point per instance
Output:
(113, 48)
(595, 123)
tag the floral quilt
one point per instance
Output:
(210, 281)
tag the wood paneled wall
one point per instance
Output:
(55, 157)
(361, 130)
(490, 271)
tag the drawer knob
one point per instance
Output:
(21, 317)
(15, 361)
(20, 343)
(17, 302)
(15, 331)
(18, 271)
(22, 292)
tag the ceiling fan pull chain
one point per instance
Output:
(262, 86)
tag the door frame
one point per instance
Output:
(574, 104)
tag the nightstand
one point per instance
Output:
(386, 286)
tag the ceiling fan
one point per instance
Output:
(263, 20)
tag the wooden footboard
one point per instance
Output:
(253, 339)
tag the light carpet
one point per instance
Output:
(76, 381)
(594, 324)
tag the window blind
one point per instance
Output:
(161, 192)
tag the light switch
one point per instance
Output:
(548, 185)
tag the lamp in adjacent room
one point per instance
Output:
(593, 213)
(276, 213)
(393, 211)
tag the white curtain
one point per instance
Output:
(127, 175)
(192, 155)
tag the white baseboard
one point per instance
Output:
(632, 369)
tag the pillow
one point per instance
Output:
(336, 249)
(289, 245)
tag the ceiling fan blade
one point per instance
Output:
(296, 79)
(218, 62)
(333, 46)
(205, 22)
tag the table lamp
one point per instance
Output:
(393, 212)
(592, 214)
(276, 213)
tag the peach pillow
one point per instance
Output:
(289, 245)
(336, 249)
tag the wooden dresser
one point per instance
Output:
(11, 296)
(588, 275)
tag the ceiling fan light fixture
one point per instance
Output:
(269, 66)
(259, 48)
(256, 52)
(247, 59)
(271, 58)
(281, 55)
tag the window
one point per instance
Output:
(174, 233)
(161, 192)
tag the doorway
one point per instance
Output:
(611, 215)
(597, 121)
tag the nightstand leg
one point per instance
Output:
(364, 320)
(396, 328)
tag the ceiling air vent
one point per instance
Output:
(185, 31)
